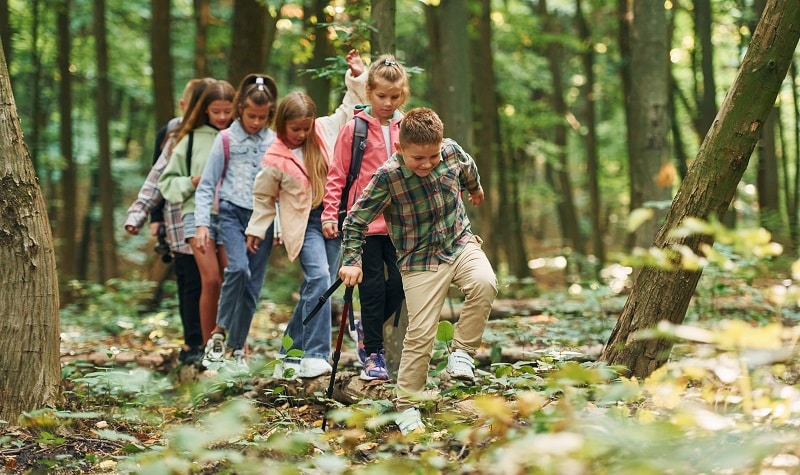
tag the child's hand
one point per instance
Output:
(131, 229)
(350, 275)
(252, 243)
(354, 62)
(329, 230)
(201, 238)
(476, 197)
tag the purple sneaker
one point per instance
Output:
(358, 336)
(375, 368)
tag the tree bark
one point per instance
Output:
(487, 122)
(160, 43)
(708, 189)
(202, 18)
(590, 141)
(318, 88)
(382, 14)
(247, 40)
(108, 256)
(68, 227)
(6, 31)
(30, 372)
(649, 119)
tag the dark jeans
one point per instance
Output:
(188, 277)
(381, 289)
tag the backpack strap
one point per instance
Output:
(189, 148)
(356, 155)
(226, 150)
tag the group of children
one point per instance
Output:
(228, 179)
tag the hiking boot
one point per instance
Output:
(375, 367)
(239, 360)
(410, 421)
(460, 365)
(215, 350)
(357, 334)
(287, 368)
(193, 356)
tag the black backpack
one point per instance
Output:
(357, 153)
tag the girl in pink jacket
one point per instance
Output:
(294, 173)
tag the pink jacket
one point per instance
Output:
(374, 156)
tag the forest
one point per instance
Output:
(641, 168)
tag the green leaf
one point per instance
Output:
(445, 332)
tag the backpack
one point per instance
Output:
(356, 153)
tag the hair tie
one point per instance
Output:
(260, 82)
(389, 62)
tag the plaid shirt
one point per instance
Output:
(149, 197)
(426, 216)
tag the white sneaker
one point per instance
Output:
(287, 368)
(239, 361)
(215, 350)
(410, 421)
(460, 365)
(313, 367)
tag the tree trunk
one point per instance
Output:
(108, 246)
(35, 88)
(247, 40)
(202, 18)
(30, 371)
(793, 202)
(649, 118)
(486, 121)
(383, 40)
(558, 170)
(590, 141)
(163, 99)
(318, 88)
(707, 103)
(708, 189)
(6, 31)
(68, 222)
(767, 181)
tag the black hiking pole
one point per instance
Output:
(346, 310)
(322, 300)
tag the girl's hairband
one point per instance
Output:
(260, 82)
(389, 62)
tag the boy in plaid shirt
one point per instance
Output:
(418, 191)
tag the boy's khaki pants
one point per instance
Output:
(425, 295)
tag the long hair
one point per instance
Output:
(218, 90)
(260, 90)
(191, 96)
(298, 105)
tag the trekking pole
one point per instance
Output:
(346, 310)
(322, 300)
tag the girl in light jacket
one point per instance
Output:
(294, 173)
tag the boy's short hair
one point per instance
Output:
(421, 126)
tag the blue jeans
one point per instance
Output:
(317, 252)
(244, 276)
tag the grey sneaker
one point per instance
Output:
(215, 351)
(460, 365)
(410, 421)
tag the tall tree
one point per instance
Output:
(5, 30)
(590, 138)
(247, 40)
(486, 118)
(649, 124)
(161, 60)
(202, 18)
(314, 16)
(450, 68)
(30, 372)
(708, 189)
(707, 101)
(558, 169)
(108, 255)
(69, 194)
(383, 39)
